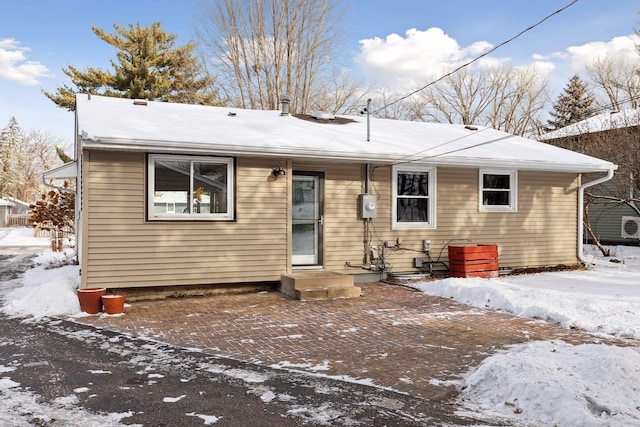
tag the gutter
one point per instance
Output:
(67, 190)
(581, 255)
(109, 143)
(61, 172)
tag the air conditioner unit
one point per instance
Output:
(630, 227)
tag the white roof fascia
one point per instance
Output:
(384, 158)
(66, 171)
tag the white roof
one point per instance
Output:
(601, 122)
(125, 124)
(66, 171)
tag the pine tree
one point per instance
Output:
(11, 138)
(574, 105)
(148, 66)
(63, 156)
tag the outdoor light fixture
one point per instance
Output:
(278, 171)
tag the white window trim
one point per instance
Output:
(513, 190)
(228, 216)
(395, 225)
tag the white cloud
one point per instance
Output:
(405, 62)
(401, 62)
(544, 67)
(14, 65)
(618, 47)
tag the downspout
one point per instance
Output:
(581, 256)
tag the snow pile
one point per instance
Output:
(44, 292)
(604, 300)
(47, 289)
(600, 300)
(554, 383)
(21, 237)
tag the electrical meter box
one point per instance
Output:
(367, 205)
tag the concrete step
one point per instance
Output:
(313, 285)
(328, 293)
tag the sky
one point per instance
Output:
(386, 44)
(535, 383)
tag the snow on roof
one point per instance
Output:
(125, 124)
(601, 122)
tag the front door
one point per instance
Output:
(307, 217)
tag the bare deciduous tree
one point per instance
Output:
(397, 107)
(462, 97)
(24, 156)
(519, 98)
(508, 99)
(261, 49)
(616, 79)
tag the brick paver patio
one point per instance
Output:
(393, 336)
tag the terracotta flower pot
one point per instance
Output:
(113, 304)
(91, 299)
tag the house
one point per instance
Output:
(261, 196)
(5, 210)
(13, 212)
(18, 207)
(614, 136)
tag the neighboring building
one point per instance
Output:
(615, 137)
(14, 212)
(282, 194)
(19, 207)
(5, 210)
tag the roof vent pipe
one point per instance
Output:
(284, 105)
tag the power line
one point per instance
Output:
(421, 159)
(409, 156)
(478, 57)
(611, 105)
(491, 141)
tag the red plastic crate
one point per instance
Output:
(473, 261)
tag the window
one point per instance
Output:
(414, 197)
(498, 191)
(190, 188)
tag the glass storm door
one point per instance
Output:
(306, 215)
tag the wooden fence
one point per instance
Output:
(47, 230)
(17, 220)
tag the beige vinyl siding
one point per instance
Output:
(543, 231)
(122, 249)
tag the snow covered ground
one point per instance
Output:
(554, 383)
(538, 383)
